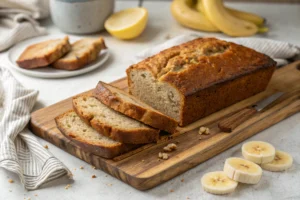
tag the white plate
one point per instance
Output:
(49, 72)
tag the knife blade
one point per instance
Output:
(233, 121)
(267, 101)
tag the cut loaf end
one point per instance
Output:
(132, 107)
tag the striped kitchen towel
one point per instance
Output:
(280, 51)
(20, 151)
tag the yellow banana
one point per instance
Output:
(215, 11)
(259, 21)
(189, 17)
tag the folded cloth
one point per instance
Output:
(18, 20)
(20, 151)
(279, 51)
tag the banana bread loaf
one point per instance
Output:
(194, 79)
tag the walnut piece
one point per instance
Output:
(203, 130)
(170, 147)
(163, 156)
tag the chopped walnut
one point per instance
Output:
(10, 180)
(94, 176)
(204, 130)
(170, 147)
(163, 156)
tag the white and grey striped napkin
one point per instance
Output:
(279, 51)
(20, 151)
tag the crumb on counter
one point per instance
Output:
(170, 147)
(10, 180)
(94, 176)
(68, 186)
(93, 166)
(81, 167)
(182, 180)
(171, 190)
(46, 146)
(203, 130)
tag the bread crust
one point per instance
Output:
(205, 64)
(28, 60)
(142, 114)
(103, 150)
(81, 61)
(134, 136)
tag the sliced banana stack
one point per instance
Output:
(242, 170)
(218, 183)
(281, 162)
(258, 152)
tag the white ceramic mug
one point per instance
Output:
(80, 16)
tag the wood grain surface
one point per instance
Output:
(142, 169)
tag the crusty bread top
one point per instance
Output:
(199, 63)
(48, 51)
(82, 48)
(127, 104)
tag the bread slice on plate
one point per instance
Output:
(44, 53)
(83, 52)
(87, 138)
(129, 105)
(111, 123)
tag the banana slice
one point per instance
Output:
(281, 162)
(218, 183)
(258, 152)
(242, 170)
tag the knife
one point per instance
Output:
(230, 123)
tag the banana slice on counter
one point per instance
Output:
(258, 152)
(242, 170)
(281, 162)
(218, 183)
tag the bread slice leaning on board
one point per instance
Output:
(192, 80)
(82, 52)
(44, 53)
(130, 106)
(89, 139)
(111, 123)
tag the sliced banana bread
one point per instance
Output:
(83, 52)
(197, 78)
(111, 123)
(44, 53)
(132, 107)
(89, 139)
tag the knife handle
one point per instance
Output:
(233, 121)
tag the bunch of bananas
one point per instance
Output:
(213, 16)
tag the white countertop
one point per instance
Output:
(284, 23)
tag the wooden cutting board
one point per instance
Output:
(142, 169)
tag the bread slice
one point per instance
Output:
(83, 52)
(111, 123)
(44, 53)
(87, 138)
(132, 107)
